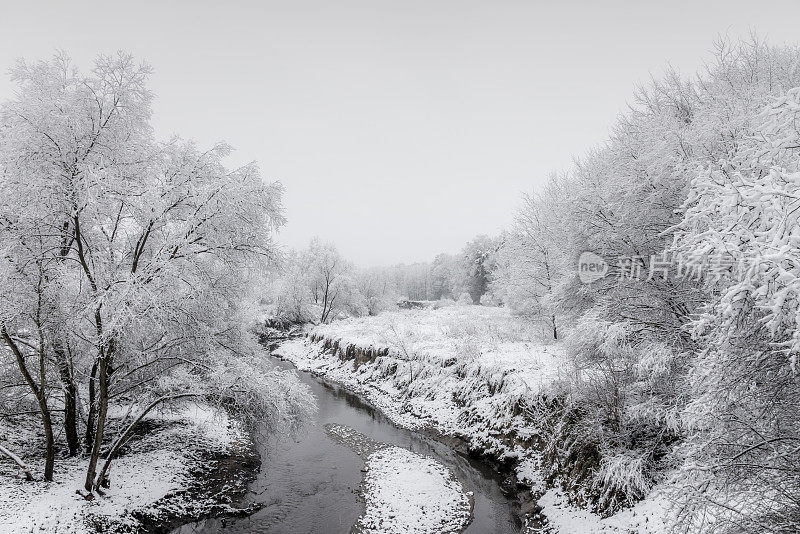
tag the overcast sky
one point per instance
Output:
(399, 129)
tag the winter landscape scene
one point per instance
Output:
(331, 267)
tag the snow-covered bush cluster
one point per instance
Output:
(684, 355)
(741, 419)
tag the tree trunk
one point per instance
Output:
(71, 420)
(102, 411)
(39, 393)
(70, 397)
(105, 352)
(89, 436)
(50, 455)
(16, 459)
(123, 438)
(66, 372)
(324, 305)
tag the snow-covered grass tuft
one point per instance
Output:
(622, 473)
(407, 493)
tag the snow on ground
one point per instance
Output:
(646, 517)
(407, 493)
(159, 465)
(490, 338)
(142, 478)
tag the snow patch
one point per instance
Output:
(141, 479)
(409, 493)
(646, 517)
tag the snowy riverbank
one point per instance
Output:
(467, 371)
(183, 465)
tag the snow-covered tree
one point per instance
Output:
(531, 259)
(445, 277)
(657, 351)
(288, 293)
(142, 248)
(478, 259)
(742, 224)
(330, 277)
(376, 289)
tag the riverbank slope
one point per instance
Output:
(474, 374)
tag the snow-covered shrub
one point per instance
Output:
(377, 292)
(464, 299)
(610, 434)
(288, 299)
(490, 299)
(443, 303)
(621, 477)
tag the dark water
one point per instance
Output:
(308, 483)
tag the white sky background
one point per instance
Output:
(399, 129)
